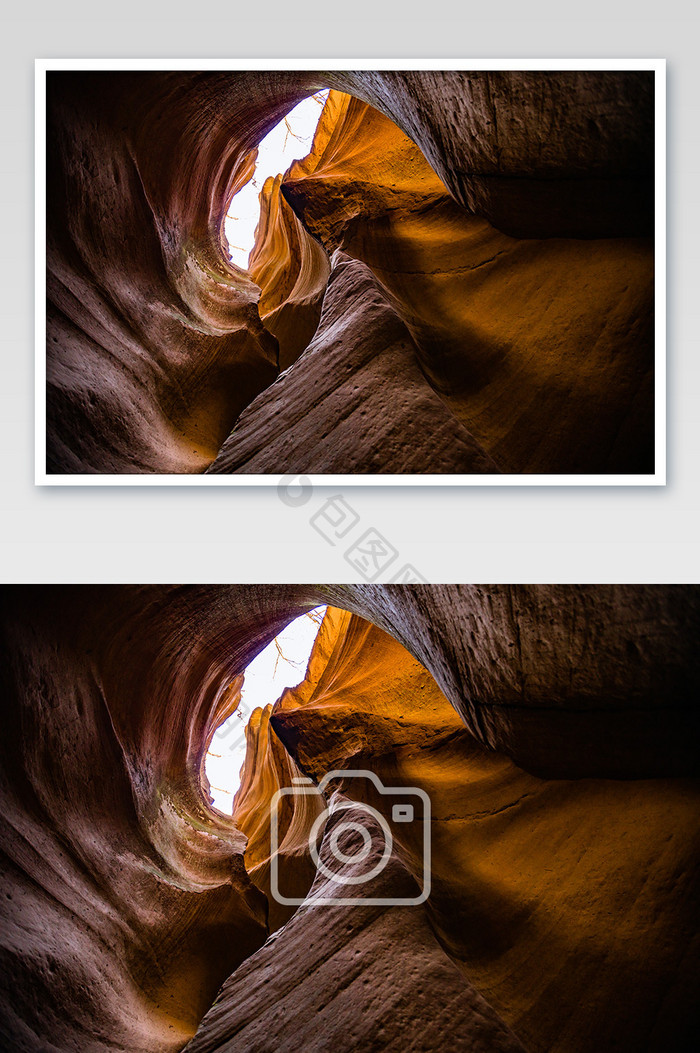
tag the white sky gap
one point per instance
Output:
(265, 679)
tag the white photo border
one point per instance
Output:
(658, 66)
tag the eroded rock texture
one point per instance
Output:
(154, 338)
(125, 899)
(527, 873)
(536, 353)
(375, 977)
(552, 727)
(368, 408)
(538, 154)
(516, 337)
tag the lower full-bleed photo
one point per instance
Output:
(349, 817)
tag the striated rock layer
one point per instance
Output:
(553, 728)
(538, 154)
(357, 401)
(155, 344)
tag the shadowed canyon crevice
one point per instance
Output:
(458, 279)
(552, 728)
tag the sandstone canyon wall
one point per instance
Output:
(524, 870)
(499, 224)
(552, 728)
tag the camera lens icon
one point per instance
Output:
(358, 842)
(353, 859)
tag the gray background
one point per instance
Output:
(248, 534)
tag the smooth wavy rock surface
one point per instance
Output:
(355, 402)
(292, 271)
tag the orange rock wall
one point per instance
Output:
(268, 767)
(292, 271)
(544, 350)
(593, 880)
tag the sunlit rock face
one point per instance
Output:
(292, 271)
(498, 322)
(268, 768)
(553, 729)
(540, 350)
(580, 876)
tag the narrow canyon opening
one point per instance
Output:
(288, 141)
(291, 701)
(282, 664)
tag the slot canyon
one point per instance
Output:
(457, 279)
(545, 898)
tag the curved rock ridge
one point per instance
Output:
(155, 345)
(269, 768)
(538, 153)
(126, 902)
(570, 681)
(503, 327)
(374, 977)
(523, 869)
(292, 271)
(154, 339)
(356, 402)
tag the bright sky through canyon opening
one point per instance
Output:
(288, 140)
(281, 664)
